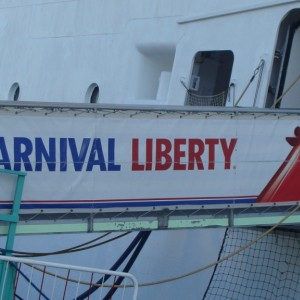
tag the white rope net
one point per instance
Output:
(198, 100)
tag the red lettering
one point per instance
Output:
(149, 146)
(227, 151)
(211, 152)
(183, 154)
(178, 154)
(135, 156)
(163, 148)
(196, 149)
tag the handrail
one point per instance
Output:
(31, 263)
(43, 107)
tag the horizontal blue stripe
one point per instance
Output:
(130, 204)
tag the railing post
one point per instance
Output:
(7, 275)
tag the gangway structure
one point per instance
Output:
(155, 218)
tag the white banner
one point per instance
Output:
(95, 161)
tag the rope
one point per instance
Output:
(68, 250)
(139, 240)
(128, 266)
(116, 265)
(215, 268)
(261, 63)
(248, 245)
(286, 91)
(41, 253)
(29, 280)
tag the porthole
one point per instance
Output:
(14, 92)
(92, 93)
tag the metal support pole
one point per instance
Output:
(7, 276)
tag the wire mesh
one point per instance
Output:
(269, 269)
(198, 100)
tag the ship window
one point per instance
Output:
(210, 78)
(14, 92)
(92, 93)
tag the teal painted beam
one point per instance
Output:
(9, 218)
(8, 273)
(17, 173)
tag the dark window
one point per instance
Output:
(210, 78)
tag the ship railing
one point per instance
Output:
(35, 279)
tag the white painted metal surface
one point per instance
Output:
(137, 52)
(56, 49)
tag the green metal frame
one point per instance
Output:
(7, 274)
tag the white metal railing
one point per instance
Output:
(34, 279)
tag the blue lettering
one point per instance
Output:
(22, 155)
(40, 152)
(5, 158)
(111, 156)
(63, 154)
(79, 159)
(96, 148)
(34, 155)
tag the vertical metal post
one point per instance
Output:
(7, 274)
(231, 218)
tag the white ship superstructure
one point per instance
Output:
(146, 51)
(172, 106)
